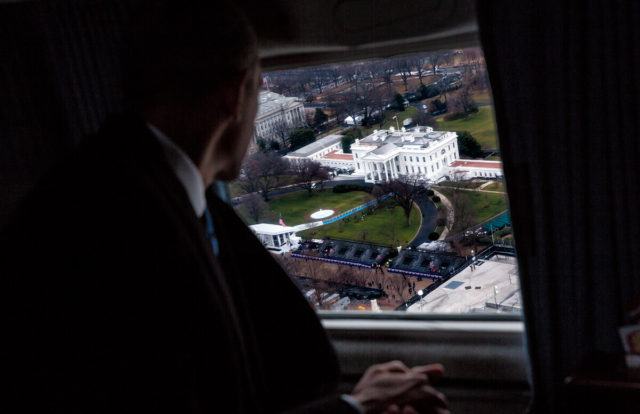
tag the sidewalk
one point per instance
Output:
(450, 215)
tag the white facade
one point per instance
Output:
(273, 110)
(469, 169)
(327, 151)
(273, 235)
(419, 151)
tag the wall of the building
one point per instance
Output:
(265, 124)
(467, 173)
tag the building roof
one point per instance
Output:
(271, 229)
(316, 146)
(418, 136)
(271, 101)
(491, 281)
(334, 155)
(477, 164)
(385, 149)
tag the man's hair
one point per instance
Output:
(184, 50)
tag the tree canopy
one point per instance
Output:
(349, 138)
(301, 137)
(319, 117)
(467, 145)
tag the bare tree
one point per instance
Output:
(399, 285)
(352, 104)
(262, 172)
(438, 58)
(403, 65)
(281, 131)
(405, 189)
(308, 172)
(335, 75)
(352, 73)
(338, 106)
(425, 118)
(464, 213)
(417, 62)
(465, 101)
(254, 205)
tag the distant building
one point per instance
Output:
(275, 236)
(419, 151)
(468, 169)
(275, 110)
(327, 151)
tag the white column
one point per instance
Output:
(395, 167)
(386, 172)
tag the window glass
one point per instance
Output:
(370, 235)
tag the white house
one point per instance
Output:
(274, 110)
(468, 169)
(420, 151)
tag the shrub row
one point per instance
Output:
(345, 188)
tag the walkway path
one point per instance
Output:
(450, 215)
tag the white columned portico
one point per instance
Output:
(395, 167)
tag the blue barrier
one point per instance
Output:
(322, 259)
(355, 210)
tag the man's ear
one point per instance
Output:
(235, 93)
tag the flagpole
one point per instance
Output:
(397, 126)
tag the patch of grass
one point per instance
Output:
(486, 205)
(497, 186)
(439, 229)
(409, 112)
(459, 184)
(332, 131)
(295, 207)
(493, 158)
(387, 226)
(481, 125)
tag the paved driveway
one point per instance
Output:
(429, 215)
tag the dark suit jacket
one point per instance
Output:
(112, 300)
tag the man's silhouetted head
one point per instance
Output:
(192, 70)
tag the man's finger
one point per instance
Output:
(394, 366)
(433, 371)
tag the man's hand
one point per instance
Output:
(384, 388)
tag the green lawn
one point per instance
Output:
(409, 112)
(481, 125)
(497, 186)
(295, 207)
(486, 205)
(386, 227)
(460, 184)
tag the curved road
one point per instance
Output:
(429, 216)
